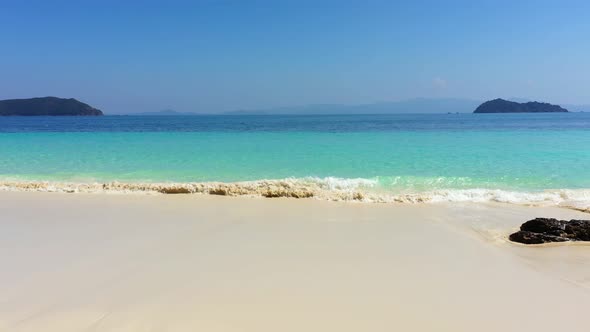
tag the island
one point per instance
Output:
(505, 106)
(46, 106)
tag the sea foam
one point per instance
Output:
(330, 188)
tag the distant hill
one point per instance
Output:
(505, 106)
(46, 106)
(418, 105)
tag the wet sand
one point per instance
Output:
(114, 262)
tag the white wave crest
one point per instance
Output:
(334, 183)
(330, 188)
(572, 198)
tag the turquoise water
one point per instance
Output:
(397, 153)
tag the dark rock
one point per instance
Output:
(544, 230)
(505, 106)
(578, 229)
(527, 237)
(46, 106)
(548, 226)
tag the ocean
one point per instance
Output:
(414, 157)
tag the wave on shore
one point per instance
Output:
(334, 189)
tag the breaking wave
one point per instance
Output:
(330, 188)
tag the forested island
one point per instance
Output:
(46, 106)
(505, 106)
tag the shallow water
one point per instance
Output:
(390, 154)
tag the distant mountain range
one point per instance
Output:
(418, 105)
(165, 113)
(577, 108)
(62, 106)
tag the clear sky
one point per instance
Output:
(210, 56)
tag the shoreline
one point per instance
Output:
(204, 262)
(328, 189)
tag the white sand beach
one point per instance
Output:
(114, 262)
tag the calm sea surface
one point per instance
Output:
(526, 152)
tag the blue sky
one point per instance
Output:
(211, 56)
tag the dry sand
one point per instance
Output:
(106, 262)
